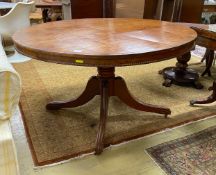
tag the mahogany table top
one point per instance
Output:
(105, 42)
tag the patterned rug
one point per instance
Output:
(191, 155)
(55, 136)
(198, 51)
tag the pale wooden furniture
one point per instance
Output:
(79, 8)
(46, 5)
(106, 44)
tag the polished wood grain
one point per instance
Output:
(105, 42)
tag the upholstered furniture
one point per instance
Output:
(16, 19)
(8, 154)
(10, 87)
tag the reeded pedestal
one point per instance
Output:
(106, 84)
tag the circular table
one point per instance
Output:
(105, 44)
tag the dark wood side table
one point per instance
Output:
(181, 74)
(206, 38)
(105, 44)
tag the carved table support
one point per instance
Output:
(210, 99)
(209, 57)
(106, 85)
(181, 74)
(103, 116)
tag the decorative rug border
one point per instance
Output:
(164, 167)
(91, 151)
(68, 158)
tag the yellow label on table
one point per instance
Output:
(79, 61)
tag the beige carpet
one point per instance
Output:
(60, 135)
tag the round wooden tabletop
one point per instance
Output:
(105, 42)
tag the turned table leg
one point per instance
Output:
(209, 61)
(106, 85)
(181, 74)
(210, 99)
(103, 117)
(207, 52)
